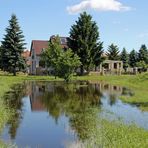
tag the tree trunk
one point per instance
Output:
(82, 70)
(14, 72)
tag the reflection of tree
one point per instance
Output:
(13, 100)
(112, 99)
(76, 102)
(79, 101)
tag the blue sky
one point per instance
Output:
(123, 22)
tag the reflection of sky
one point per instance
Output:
(126, 112)
(38, 129)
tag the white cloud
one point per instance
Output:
(100, 5)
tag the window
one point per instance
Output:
(115, 65)
(63, 41)
(42, 64)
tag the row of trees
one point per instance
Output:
(132, 59)
(12, 47)
(85, 50)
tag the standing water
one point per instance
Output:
(57, 115)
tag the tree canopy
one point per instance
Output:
(12, 47)
(113, 52)
(124, 58)
(143, 54)
(63, 61)
(84, 41)
(133, 58)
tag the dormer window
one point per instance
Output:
(63, 41)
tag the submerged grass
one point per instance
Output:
(101, 133)
(137, 83)
(115, 134)
(111, 134)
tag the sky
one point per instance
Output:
(122, 22)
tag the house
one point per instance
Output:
(111, 67)
(37, 46)
(26, 56)
(37, 67)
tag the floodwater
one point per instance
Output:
(53, 114)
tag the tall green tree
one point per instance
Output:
(133, 58)
(0, 57)
(12, 47)
(143, 54)
(84, 41)
(124, 58)
(113, 52)
(97, 55)
(63, 61)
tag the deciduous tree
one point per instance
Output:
(64, 62)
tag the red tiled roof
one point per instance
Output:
(26, 54)
(38, 45)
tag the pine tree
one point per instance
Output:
(133, 58)
(84, 41)
(113, 52)
(124, 58)
(12, 47)
(0, 57)
(143, 54)
(97, 55)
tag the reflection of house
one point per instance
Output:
(37, 46)
(36, 98)
(108, 88)
(37, 92)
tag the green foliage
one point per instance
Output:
(124, 58)
(97, 55)
(0, 57)
(143, 54)
(133, 58)
(68, 62)
(12, 47)
(63, 61)
(84, 42)
(142, 65)
(113, 52)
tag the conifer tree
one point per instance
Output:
(143, 54)
(113, 52)
(133, 58)
(12, 47)
(124, 58)
(0, 57)
(84, 41)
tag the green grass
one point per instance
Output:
(117, 135)
(137, 83)
(121, 135)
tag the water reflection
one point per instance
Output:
(69, 109)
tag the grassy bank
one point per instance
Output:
(137, 83)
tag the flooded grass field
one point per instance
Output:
(77, 114)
